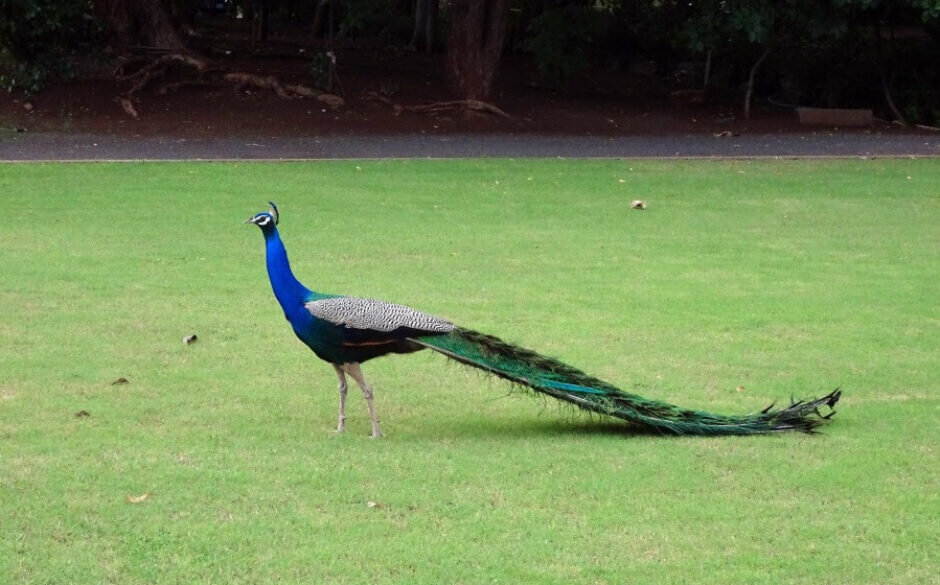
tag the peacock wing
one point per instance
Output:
(375, 315)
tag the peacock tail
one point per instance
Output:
(553, 378)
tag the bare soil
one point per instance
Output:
(370, 82)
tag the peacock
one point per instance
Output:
(347, 331)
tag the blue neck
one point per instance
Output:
(288, 290)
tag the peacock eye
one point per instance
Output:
(264, 220)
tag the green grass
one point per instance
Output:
(781, 277)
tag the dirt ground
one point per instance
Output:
(615, 106)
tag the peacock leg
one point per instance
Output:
(342, 398)
(355, 371)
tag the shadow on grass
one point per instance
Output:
(515, 429)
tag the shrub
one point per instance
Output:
(365, 18)
(563, 41)
(39, 39)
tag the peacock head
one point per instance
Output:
(266, 220)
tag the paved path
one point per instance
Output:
(53, 146)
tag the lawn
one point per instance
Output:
(743, 282)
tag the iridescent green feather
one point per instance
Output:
(553, 378)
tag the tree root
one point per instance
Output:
(171, 87)
(156, 69)
(453, 106)
(284, 90)
(206, 76)
(437, 107)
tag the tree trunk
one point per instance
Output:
(265, 18)
(142, 22)
(885, 78)
(249, 13)
(321, 28)
(426, 12)
(708, 71)
(750, 82)
(477, 29)
(257, 12)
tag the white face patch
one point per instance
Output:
(265, 220)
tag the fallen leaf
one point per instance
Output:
(374, 505)
(137, 499)
(120, 381)
(740, 388)
(638, 204)
(190, 339)
(82, 414)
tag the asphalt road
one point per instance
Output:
(84, 147)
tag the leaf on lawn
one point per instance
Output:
(638, 204)
(120, 381)
(137, 499)
(374, 505)
(82, 414)
(740, 388)
(190, 339)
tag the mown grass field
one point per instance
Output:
(779, 277)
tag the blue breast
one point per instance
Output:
(326, 339)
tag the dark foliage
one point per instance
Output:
(565, 42)
(832, 53)
(41, 39)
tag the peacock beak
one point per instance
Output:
(250, 220)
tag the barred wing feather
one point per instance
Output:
(356, 313)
